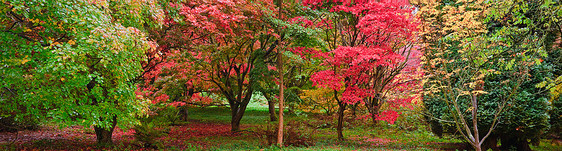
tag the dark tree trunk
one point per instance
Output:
(104, 136)
(272, 116)
(339, 128)
(271, 105)
(354, 111)
(184, 113)
(436, 128)
(238, 110)
(374, 112)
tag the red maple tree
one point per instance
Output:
(211, 48)
(371, 44)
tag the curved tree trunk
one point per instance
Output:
(104, 136)
(237, 114)
(340, 120)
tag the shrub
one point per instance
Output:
(556, 118)
(146, 135)
(295, 134)
(525, 117)
(11, 124)
(155, 126)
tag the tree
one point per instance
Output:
(482, 59)
(369, 44)
(74, 61)
(221, 42)
(221, 47)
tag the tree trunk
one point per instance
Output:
(354, 111)
(271, 105)
(104, 136)
(340, 119)
(477, 147)
(281, 93)
(184, 113)
(374, 111)
(272, 116)
(237, 114)
(373, 108)
(436, 128)
(235, 124)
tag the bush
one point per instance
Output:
(556, 119)
(155, 126)
(10, 124)
(525, 117)
(295, 134)
(146, 135)
(169, 115)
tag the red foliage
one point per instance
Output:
(202, 23)
(210, 49)
(375, 59)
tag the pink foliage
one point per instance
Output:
(389, 116)
(177, 104)
(387, 34)
(161, 98)
(327, 79)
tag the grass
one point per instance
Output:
(257, 113)
(546, 145)
(357, 137)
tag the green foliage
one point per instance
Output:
(71, 61)
(500, 66)
(147, 133)
(556, 117)
(156, 125)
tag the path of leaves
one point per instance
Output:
(196, 135)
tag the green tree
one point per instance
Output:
(483, 59)
(74, 61)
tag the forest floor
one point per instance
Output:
(209, 129)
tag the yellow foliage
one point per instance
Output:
(463, 23)
(319, 100)
(24, 60)
(554, 85)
